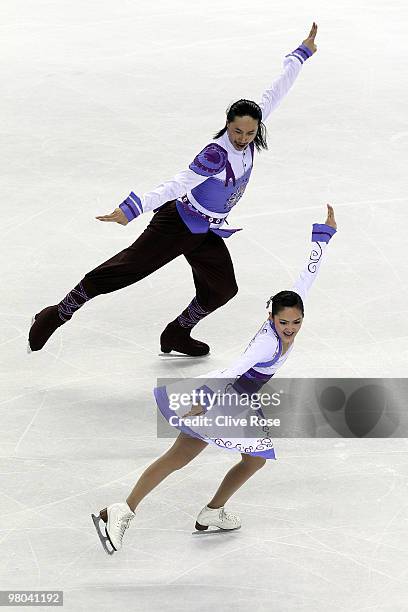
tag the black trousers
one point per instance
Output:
(166, 238)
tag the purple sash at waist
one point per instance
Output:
(199, 223)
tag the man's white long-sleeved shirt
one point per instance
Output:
(205, 185)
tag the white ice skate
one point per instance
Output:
(115, 520)
(218, 518)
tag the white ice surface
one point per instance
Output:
(99, 98)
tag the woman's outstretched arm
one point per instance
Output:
(258, 350)
(321, 236)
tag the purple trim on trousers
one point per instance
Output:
(192, 314)
(72, 302)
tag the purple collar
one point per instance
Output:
(273, 328)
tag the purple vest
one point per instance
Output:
(214, 195)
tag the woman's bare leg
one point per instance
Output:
(184, 450)
(235, 478)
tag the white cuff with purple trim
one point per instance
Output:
(132, 206)
(302, 53)
(322, 232)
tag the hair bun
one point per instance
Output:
(270, 301)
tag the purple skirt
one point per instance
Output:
(198, 427)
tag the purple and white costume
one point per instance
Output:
(217, 178)
(189, 220)
(260, 361)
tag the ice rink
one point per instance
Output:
(101, 98)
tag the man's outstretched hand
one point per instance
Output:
(118, 216)
(310, 40)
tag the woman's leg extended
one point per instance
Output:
(235, 478)
(117, 517)
(184, 450)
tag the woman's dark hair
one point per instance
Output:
(242, 108)
(286, 299)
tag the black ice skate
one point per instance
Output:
(177, 338)
(43, 325)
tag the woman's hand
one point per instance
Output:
(118, 216)
(195, 411)
(330, 220)
(310, 40)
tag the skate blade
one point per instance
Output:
(178, 355)
(214, 531)
(104, 538)
(28, 343)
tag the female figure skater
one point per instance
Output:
(265, 354)
(191, 211)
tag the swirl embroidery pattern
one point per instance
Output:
(262, 444)
(315, 256)
(210, 160)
